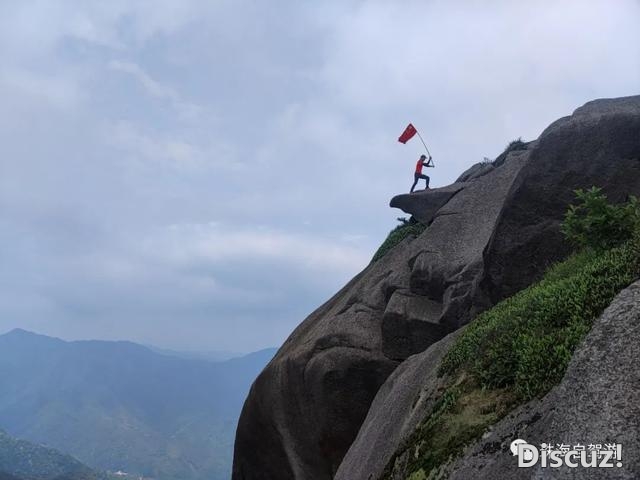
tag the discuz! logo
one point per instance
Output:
(554, 455)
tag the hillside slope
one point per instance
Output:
(489, 235)
(598, 401)
(19, 458)
(119, 406)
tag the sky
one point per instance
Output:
(201, 175)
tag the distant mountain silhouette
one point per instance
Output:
(211, 355)
(21, 460)
(121, 406)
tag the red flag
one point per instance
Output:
(408, 134)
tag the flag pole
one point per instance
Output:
(425, 146)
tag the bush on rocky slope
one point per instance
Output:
(402, 231)
(513, 146)
(595, 223)
(521, 348)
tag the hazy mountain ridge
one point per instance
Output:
(120, 406)
(211, 355)
(22, 460)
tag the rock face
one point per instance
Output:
(488, 236)
(525, 239)
(598, 145)
(400, 405)
(426, 203)
(598, 401)
(305, 409)
(475, 171)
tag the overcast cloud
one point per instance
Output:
(203, 174)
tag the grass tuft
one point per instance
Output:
(406, 228)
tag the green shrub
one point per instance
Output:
(402, 231)
(595, 223)
(526, 341)
(516, 144)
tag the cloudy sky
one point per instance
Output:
(203, 174)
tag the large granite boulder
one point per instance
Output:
(401, 404)
(525, 240)
(598, 145)
(598, 401)
(447, 265)
(305, 409)
(487, 237)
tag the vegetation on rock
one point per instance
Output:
(406, 228)
(517, 144)
(520, 348)
(597, 224)
(513, 146)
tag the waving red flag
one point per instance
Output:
(408, 134)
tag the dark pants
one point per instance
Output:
(418, 176)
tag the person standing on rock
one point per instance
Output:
(418, 175)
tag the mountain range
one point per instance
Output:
(119, 406)
(22, 460)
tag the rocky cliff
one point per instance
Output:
(340, 396)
